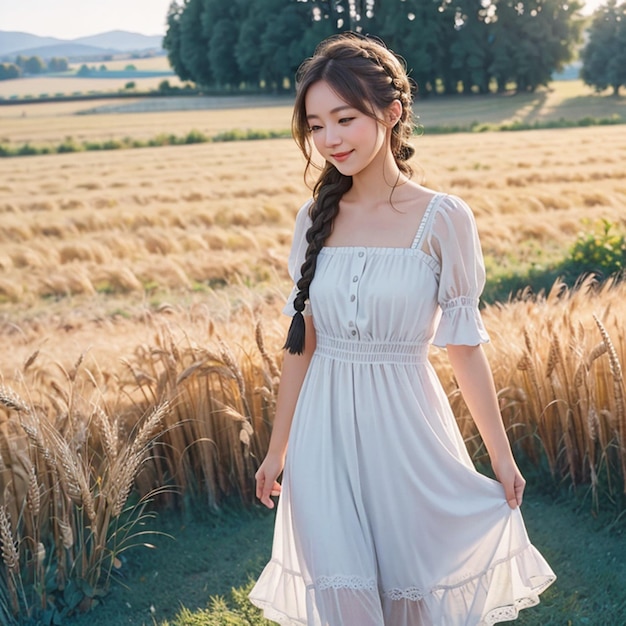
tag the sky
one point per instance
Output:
(69, 19)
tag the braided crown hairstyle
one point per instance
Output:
(369, 77)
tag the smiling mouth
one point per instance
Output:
(341, 156)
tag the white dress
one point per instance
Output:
(383, 519)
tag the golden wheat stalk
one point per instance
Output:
(260, 342)
(11, 400)
(10, 555)
(108, 432)
(125, 469)
(618, 392)
(33, 495)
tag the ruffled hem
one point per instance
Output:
(495, 595)
(460, 324)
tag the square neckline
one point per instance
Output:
(432, 203)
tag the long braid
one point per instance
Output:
(327, 193)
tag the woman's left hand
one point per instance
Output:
(512, 480)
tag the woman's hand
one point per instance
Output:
(512, 480)
(266, 479)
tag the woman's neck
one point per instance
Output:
(374, 185)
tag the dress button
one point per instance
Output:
(361, 254)
(353, 333)
(352, 298)
(351, 324)
(355, 278)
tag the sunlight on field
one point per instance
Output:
(35, 87)
(110, 230)
(140, 297)
(52, 122)
(150, 64)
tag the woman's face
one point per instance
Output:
(343, 135)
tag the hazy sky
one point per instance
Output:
(68, 19)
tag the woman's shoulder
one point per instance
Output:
(453, 205)
(304, 210)
(303, 217)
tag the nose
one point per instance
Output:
(331, 137)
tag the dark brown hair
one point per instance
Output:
(363, 72)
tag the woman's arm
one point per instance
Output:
(475, 380)
(294, 369)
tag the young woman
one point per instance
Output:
(383, 519)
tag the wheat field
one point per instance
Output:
(140, 296)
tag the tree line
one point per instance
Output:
(449, 45)
(32, 65)
(604, 56)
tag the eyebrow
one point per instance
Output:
(343, 107)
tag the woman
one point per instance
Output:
(383, 519)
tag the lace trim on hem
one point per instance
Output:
(415, 593)
(500, 614)
(346, 582)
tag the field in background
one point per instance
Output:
(53, 122)
(35, 86)
(166, 222)
(150, 64)
(129, 278)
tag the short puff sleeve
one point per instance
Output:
(296, 257)
(454, 240)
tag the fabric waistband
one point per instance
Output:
(363, 351)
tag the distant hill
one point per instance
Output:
(13, 43)
(123, 40)
(67, 50)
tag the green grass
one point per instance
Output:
(188, 581)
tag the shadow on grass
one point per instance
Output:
(208, 558)
(205, 557)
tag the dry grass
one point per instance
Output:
(51, 123)
(557, 366)
(136, 280)
(187, 218)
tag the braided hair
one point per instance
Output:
(369, 77)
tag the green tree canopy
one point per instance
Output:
(604, 56)
(9, 71)
(449, 45)
(58, 64)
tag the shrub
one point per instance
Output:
(601, 252)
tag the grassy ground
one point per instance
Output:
(210, 557)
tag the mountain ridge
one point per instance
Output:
(110, 42)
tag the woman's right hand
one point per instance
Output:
(266, 479)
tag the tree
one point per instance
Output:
(9, 71)
(469, 49)
(172, 41)
(412, 29)
(446, 43)
(58, 64)
(281, 42)
(604, 56)
(247, 48)
(34, 65)
(532, 39)
(221, 54)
